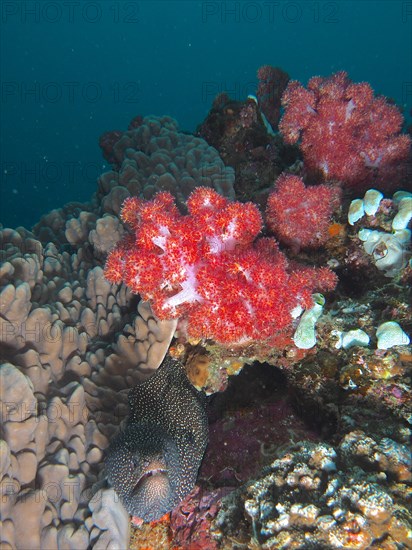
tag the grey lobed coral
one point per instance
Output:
(71, 346)
(156, 156)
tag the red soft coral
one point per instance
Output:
(346, 133)
(298, 215)
(208, 269)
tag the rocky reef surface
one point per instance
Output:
(309, 446)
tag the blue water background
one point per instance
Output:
(72, 70)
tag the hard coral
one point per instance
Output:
(303, 500)
(300, 216)
(69, 342)
(207, 268)
(346, 133)
(66, 351)
(152, 156)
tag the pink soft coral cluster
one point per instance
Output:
(209, 269)
(346, 133)
(300, 216)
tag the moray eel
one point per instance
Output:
(153, 463)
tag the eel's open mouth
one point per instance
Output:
(147, 475)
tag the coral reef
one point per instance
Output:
(208, 270)
(67, 352)
(72, 345)
(245, 440)
(318, 496)
(346, 133)
(321, 457)
(272, 84)
(190, 522)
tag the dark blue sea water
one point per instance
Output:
(71, 70)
